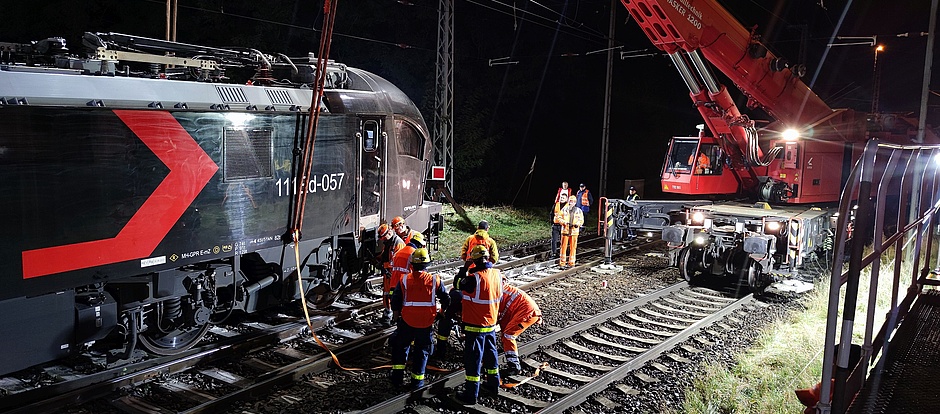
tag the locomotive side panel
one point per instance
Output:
(95, 195)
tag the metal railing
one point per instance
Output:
(893, 193)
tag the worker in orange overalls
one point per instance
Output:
(572, 220)
(482, 291)
(402, 229)
(414, 302)
(391, 244)
(517, 312)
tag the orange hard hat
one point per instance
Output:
(397, 220)
(383, 230)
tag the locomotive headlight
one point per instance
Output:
(698, 218)
(772, 227)
(700, 240)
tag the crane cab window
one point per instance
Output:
(680, 155)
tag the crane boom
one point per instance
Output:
(769, 82)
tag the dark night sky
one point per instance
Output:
(550, 104)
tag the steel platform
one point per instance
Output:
(910, 380)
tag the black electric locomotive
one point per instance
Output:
(147, 189)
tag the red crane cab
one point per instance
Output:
(696, 166)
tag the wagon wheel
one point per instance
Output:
(321, 297)
(686, 265)
(174, 342)
(756, 279)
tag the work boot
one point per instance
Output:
(386, 318)
(415, 384)
(510, 370)
(397, 377)
(440, 351)
(469, 393)
(491, 384)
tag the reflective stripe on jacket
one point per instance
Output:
(573, 219)
(419, 296)
(515, 302)
(481, 308)
(401, 264)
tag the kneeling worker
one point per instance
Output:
(517, 312)
(414, 302)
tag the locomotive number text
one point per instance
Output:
(325, 182)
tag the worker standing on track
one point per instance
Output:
(563, 190)
(414, 309)
(481, 237)
(391, 243)
(517, 312)
(482, 291)
(402, 229)
(585, 199)
(401, 264)
(401, 261)
(572, 220)
(449, 318)
(556, 224)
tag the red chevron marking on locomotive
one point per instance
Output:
(190, 170)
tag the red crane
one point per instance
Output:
(808, 166)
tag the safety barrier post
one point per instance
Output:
(608, 217)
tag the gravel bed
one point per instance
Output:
(562, 303)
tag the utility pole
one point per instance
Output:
(444, 93)
(605, 135)
(928, 63)
(876, 82)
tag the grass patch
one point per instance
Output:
(786, 355)
(508, 226)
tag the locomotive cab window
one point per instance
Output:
(247, 153)
(370, 135)
(410, 142)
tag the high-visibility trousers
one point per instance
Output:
(512, 327)
(567, 257)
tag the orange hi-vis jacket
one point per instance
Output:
(401, 265)
(480, 237)
(572, 220)
(516, 302)
(481, 308)
(419, 298)
(559, 218)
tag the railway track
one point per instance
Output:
(346, 329)
(592, 355)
